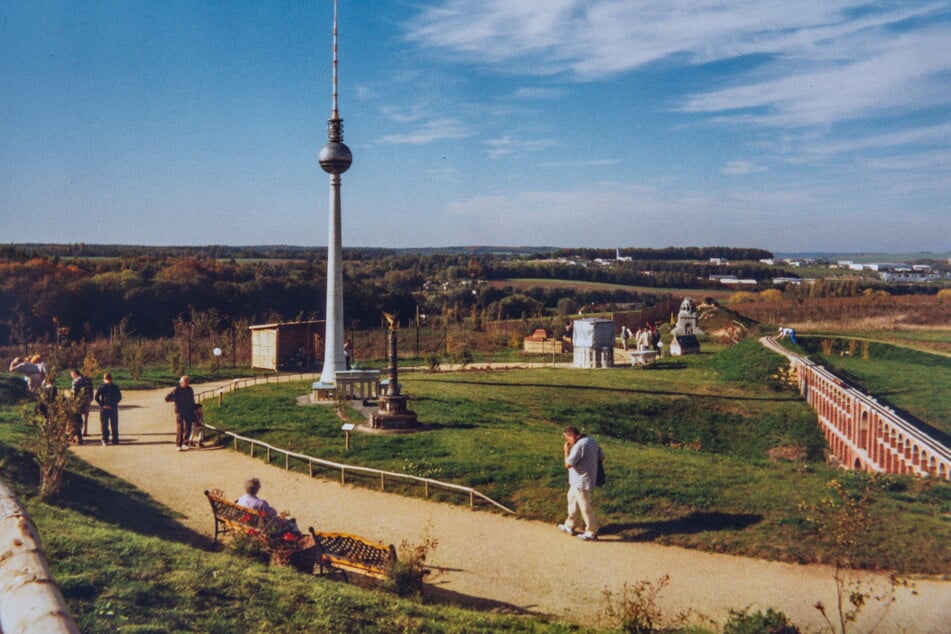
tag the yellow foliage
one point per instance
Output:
(742, 297)
(771, 295)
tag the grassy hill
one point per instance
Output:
(706, 452)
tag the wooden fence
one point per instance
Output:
(238, 443)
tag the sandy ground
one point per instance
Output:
(484, 558)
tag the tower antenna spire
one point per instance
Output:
(334, 114)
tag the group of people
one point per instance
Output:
(33, 369)
(188, 415)
(107, 396)
(582, 454)
(646, 338)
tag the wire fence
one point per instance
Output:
(267, 451)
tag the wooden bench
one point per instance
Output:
(233, 518)
(340, 552)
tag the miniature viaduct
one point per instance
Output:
(862, 433)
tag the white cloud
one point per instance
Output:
(539, 93)
(740, 168)
(822, 61)
(508, 145)
(428, 132)
(893, 76)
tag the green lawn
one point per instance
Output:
(124, 563)
(687, 443)
(918, 383)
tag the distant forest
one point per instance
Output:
(79, 292)
(82, 250)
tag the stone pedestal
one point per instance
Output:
(392, 413)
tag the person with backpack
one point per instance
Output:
(583, 457)
(108, 396)
(82, 390)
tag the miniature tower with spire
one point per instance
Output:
(335, 159)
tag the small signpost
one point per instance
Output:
(347, 428)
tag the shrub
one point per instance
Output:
(406, 574)
(772, 622)
(432, 361)
(634, 610)
(463, 358)
(250, 546)
(53, 416)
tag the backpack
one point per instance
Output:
(84, 387)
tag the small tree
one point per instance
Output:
(844, 519)
(54, 417)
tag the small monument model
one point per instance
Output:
(685, 332)
(593, 343)
(392, 413)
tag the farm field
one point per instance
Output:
(528, 283)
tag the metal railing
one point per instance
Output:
(311, 461)
(233, 385)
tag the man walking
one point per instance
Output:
(108, 396)
(83, 391)
(582, 457)
(184, 398)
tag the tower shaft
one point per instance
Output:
(334, 359)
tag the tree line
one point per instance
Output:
(46, 297)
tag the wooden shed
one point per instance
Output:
(540, 342)
(294, 345)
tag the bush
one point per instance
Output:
(772, 622)
(463, 358)
(406, 574)
(53, 416)
(250, 546)
(634, 609)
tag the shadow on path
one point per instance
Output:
(697, 522)
(107, 499)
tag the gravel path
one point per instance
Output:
(484, 558)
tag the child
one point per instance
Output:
(197, 438)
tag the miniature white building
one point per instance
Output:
(593, 342)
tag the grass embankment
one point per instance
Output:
(915, 382)
(125, 564)
(688, 447)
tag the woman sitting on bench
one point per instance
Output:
(302, 553)
(251, 500)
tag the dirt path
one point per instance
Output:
(519, 565)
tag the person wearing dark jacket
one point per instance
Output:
(184, 398)
(108, 396)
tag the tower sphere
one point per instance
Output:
(335, 158)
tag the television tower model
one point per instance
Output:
(335, 159)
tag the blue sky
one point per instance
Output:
(814, 125)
